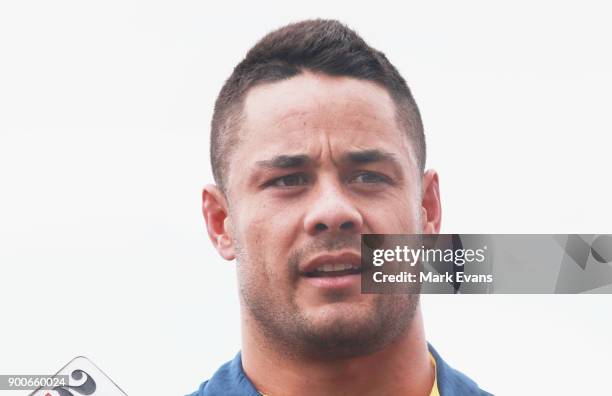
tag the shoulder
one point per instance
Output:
(451, 382)
(200, 391)
(228, 380)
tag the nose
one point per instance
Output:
(332, 210)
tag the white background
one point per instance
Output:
(104, 121)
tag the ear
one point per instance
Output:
(431, 209)
(215, 210)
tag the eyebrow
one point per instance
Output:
(355, 157)
(286, 161)
(369, 156)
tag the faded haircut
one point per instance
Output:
(319, 46)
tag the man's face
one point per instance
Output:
(320, 161)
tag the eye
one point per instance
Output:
(293, 180)
(369, 178)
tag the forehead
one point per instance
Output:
(298, 114)
(320, 99)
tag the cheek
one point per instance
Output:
(398, 217)
(266, 235)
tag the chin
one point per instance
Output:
(344, 329)
(341, 325)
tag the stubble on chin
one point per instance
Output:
(344, 333)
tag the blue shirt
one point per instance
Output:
(230, 380)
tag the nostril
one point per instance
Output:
(320, 227)
(347, 225)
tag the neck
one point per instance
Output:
(401, 368)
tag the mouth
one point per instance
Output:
(335, 269)
(339, 271)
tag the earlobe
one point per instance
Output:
(431, 208)
(214, 209)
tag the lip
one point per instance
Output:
(341, 282)
(347, 257)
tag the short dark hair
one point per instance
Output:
(324, 46)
